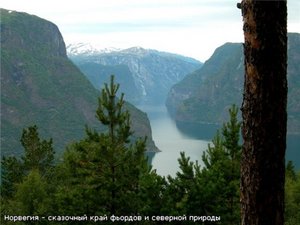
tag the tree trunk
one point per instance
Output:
(264, 112)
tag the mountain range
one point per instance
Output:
(145, 74)
(205, 95)
(40, 85)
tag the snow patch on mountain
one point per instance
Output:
(88, 49)
(153, 71)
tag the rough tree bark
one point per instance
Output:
(264, 112)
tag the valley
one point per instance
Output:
(197, 95)
(197, 104)
(144, 136)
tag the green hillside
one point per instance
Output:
(40, 85)
(205, 95)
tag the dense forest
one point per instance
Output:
(105, 177)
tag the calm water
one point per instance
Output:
(171, 141)
(172, 138)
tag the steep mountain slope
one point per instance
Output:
(153, 72)
(40, 85)
(206, 94)
(99, 74)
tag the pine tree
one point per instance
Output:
(290, 171)
(31, 196)
(153, 195)
(12, 172)
(179, 190)
(23, 188)
(39, 154)
(292, 196)
(221, 175)
(110, 113)
(105, 168)
(231, 134)
(213, 189)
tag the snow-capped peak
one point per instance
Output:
(136, 49)
(88, 49)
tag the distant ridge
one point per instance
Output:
(152, 72)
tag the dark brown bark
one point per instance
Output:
(264, 112)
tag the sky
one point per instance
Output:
(193, 28)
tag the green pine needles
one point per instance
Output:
(108, 168)
(110, 112)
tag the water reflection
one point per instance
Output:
(198, 131)
(207, 132)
